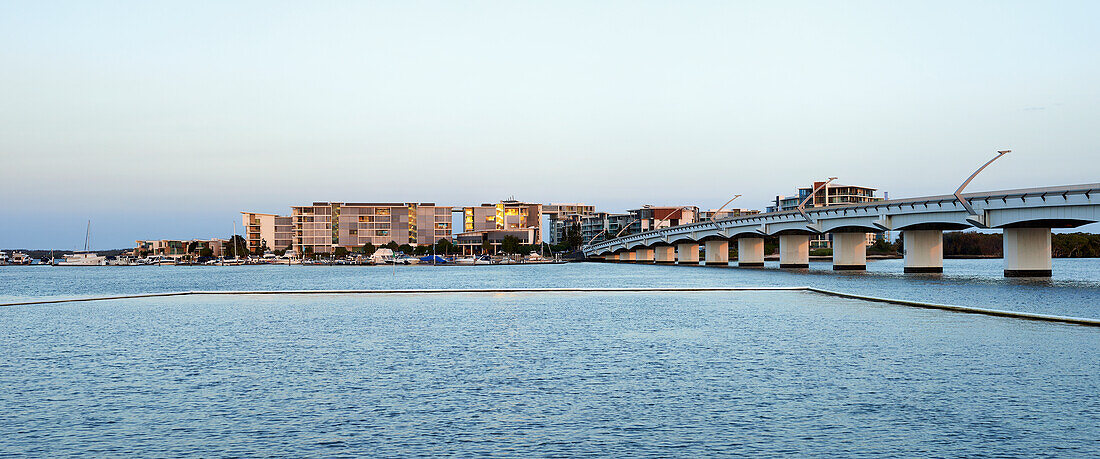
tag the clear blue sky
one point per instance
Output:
(164, 120)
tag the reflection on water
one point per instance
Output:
(686, 374)
(1074, 290)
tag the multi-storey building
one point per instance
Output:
(715, 214)
(651, 217)
(176, 248)
(267, 231)
(602, 226)
(562, 217)
(829, 195)
(323, 226)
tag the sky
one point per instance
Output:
(164, 120)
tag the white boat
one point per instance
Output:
(465, 261)
(4, 258)
(20, 258)
(83, 259)
(407, 260)
(382, 256)
(122, 260)
(483, 260)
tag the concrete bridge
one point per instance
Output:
(1026, 217)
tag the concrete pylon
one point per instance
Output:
(665, 254)
(612, 257)
(794, 251)
(644, 255)
(923, 251)
(1027, 252)
(627, 257)
(849, 251)
(687, 253)
(750, 252)
(718, 253)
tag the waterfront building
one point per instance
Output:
(829, 195)
(267, 231)
(650, 217)
(323, 226)
(176, 248)
(602, 226)
(562, 217)
(474, 242)
(715, 214)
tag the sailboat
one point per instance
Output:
(84, 257)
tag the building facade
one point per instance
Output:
(267, 231)
(715, 214)
(323, 226)
(829, 195)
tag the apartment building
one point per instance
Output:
(715, 214)
(829, 195)
(602, 226)
(562, 217)
(267, 231)
(177, 247)
(323, 226)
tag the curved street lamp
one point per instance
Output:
(802, 205)
(973, 215)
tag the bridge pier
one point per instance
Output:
(665, 254)
(923, 251)
(1027, 252)
(750, 252)
(849, 251)
(794, 251)
(627, 257)
(718, 252)
(613, 257)
(687, 253)
(644, 255)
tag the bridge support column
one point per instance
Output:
(718, 253)
(923, 251)
(849, 251)
(687, 253)
(794, 251)
(1027, 252)
(644, 255)
(665, 254)
(750, 252)
(627, 257)
(611, 257)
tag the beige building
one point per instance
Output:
(715, 214)
(176, 248)
(504, 215)
(275, 232)
(325, 225)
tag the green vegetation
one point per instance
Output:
(1075, 245)
(368, 249)
(339, 252)
(235, 246)
(510, 244)
(405, 249)
(821, 252)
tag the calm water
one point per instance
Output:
(761, 373)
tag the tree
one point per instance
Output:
(307, 252)
(263, 247)
(405, 249)
(339, 252)
(192, 246)
(236, 247)
(444, 247)
(486, 247)
(392, 245)
(573, 236)
(510, 244)
(422, 250)
(206, 252)
(368, 249)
